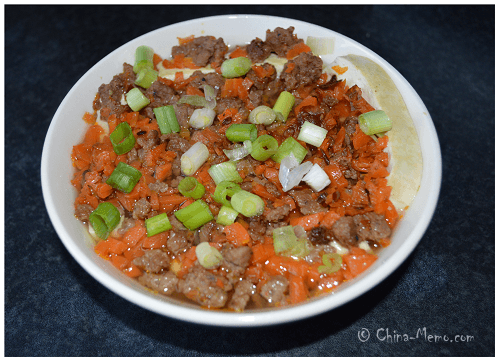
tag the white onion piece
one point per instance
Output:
(291, 173)
(321, 45)
(317, 178)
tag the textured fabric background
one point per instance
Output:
(54, 308)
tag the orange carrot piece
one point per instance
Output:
(308, 101)
(157, 241)
(298, 289)
(330, 218)
(261, 253)
(297, 49)
(358, 261)
(238, 52)
(237, 234)
(308, 222)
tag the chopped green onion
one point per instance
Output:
(194, 100)
(317, 178)
(167, 120)
(136, 100)
(202, 118)
(146, 77)
(193, 158)
(104, 219)
(236, 67)
(208, 256)
(328, 267)
(143, 64)
(287, 243)
(374, 122)
(225, 171)
(241, 132)
(284, 105)
(247, 203)
(290, 145)
(227, 215)
(321, 45)
(122, 138)
(262, 115)
(225, 189)
(264, 147)
(312, 134)
(143, 56)
(194, 215)
(210, 96)
(240, 152)
(157, 224)
(124, 177)
(190, 187)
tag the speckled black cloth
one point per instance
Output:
(54, 308)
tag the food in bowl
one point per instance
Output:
(244, 178)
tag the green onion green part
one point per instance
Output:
(167, 120)
(262, 115)
(239, 152)
(236, 67)
(312, 134)
(193, 158)
(208, 256)
(224, 190)
(194, 215)
(225, 171)
(146, 77)
(190, 187)
(124, 177)
(104, 219)
(122, 138)
(328, 267)
(247, 203)
(227, 215)
(157, 224)
(284, 104)
(241, 132)
(290, 145)
(264, 147)
(143, 58)
(290, 241)
(374, 122)
(136, 100)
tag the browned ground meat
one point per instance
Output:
(262, 83)
(306, 202)
(281, 40)
(344, 230)
(258, 50)
(225, 103)
(142, 207)
(203, 50)
(277, 213)
(275, 289)
(83, 211)
(159, 95)
(176, 143)
(178, 241)
(215, 80)
(371, 226)
(153, 261)
(243, 290)
(306, 70)
(149, 140)
(165, 283)
(201, 286)
(110, 95)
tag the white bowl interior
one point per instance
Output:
(67, 129)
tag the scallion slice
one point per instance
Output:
(136, 100)
(208, 256)
(290, 146)
(240, 132)
(122, 138)
(247, 203)
(236, 67)
(262, 115)
(146, 77)
(190, 187)
(312, 134)
(224, 190)
(124, 177)
(328, 267)
(143, 57)
(104, 219)
(316, 178)
(227, 215)
(194, 100)
(157, 224)
(167, 120)
(264, 147)
(374, 122)
(291, 241)
(194, 215)
(193, 158)
(239, 152)
(225, 171)
(202, 118)
(284, 105)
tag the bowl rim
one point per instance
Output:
(431, 170)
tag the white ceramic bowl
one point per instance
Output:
(67, 129)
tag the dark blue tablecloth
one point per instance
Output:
(54, 308)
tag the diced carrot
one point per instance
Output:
(308, 222)
(237, 234)
(134, 234)
(308, 101)
(193, 91)
(339, 69)
(238, 52)
(163, 171)
(132, 271)
(358, 261)
(260, 190)
(298, 289)
(262, 252)
(185, 40)
(298, 48)
(157, 241)
(330, 218)
(189, 259)
(88, 118)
